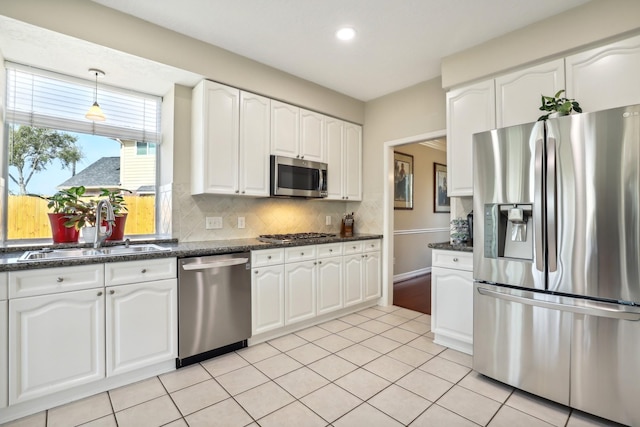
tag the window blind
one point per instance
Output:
(45, 99)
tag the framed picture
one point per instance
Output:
(403, 181)
(441, 202)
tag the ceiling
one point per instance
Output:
(398, 43)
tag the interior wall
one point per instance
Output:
(578, 28)
(414, 229)
(95, 23)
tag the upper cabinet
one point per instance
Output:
(344, 160)
(605, 77)
(470, 109)
(230, 141)
(518, 93)
(296, 132)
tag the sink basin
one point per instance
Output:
(55, 254)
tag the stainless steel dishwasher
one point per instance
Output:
(214, 306)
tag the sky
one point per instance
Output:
(93, 147)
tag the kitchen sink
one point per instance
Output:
(71, 253)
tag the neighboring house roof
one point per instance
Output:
(146, 189)
(104, 172)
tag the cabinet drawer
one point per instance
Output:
(53, 280)
(371, 245)
(4, 292)
(299, 253)
(453, 259)
(120, 273)
(329, 250)
(352, 247)
(267, 257)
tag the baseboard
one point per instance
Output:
(411, 274)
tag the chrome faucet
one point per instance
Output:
(110, 219)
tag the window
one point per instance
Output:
(51, 146)
(145, 149)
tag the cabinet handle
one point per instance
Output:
(60, 280)
(144, 270)
(455, 260)
(319, 262)
(237, 191)
(112, 292)
(315, 263)
(243, 192)
(256, 272)
(301, 253)
(269, 257)
(354, 247)
(298, 156)
(330, 250)
(99, 294)
(347, 197)
(302, 157)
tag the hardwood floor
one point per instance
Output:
(414, 294)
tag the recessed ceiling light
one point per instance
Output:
(346, 33)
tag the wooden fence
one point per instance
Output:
(27, 217)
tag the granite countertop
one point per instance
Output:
(9, 256)
(465, 247)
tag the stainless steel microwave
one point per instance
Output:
(298, 178)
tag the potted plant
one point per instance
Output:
(555, 105)
(116, 197)
(64, 205)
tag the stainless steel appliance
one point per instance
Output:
(298, 177)
(557, 260)
(214, 306)
(292, 237)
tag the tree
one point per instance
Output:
(32, 149)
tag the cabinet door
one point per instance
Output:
(300, 291)
(267, 298)
(518, 94)
(214, 145)
(605, 77)
(142, 321)
(470, 110)
(285, 129)
(452, 308)
(335, 159)
(353, 162)
(255, 133)
(4, 353)
(330, 284)
(372, 280)
(312, 136)
(353, 279)
(56, 342)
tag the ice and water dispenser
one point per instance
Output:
(508, 231)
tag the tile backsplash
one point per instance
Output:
(262, 215)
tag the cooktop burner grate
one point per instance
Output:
(285, 238)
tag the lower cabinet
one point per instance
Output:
(330, 283)
(353, 279)
(142, 322)
(4, 353)
(362, 277)
(56, 342)
(267, 298)
(452, 299)
(299, 291)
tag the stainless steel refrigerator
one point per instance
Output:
(557, 260)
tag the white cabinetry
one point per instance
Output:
(296, 132)
(518, 93)
(56, 342)
(230, 141)
(330, 284)
(470, 109)
(142, 316)
(4, 343)
(267, 290)
(300, 291)
(605, 77)
(362, 271)
(344, 160)
(452, 299)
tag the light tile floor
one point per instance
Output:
(378, 367)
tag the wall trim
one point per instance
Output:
(420, 231)
(410, 274)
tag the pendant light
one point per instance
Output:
(95, 112)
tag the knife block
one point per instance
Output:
(346, 229)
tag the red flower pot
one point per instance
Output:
(118, 230)
(60, 233)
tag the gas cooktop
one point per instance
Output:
(289, 238)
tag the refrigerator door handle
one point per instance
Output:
(591, 308)
(551, 200)
(538, 205)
